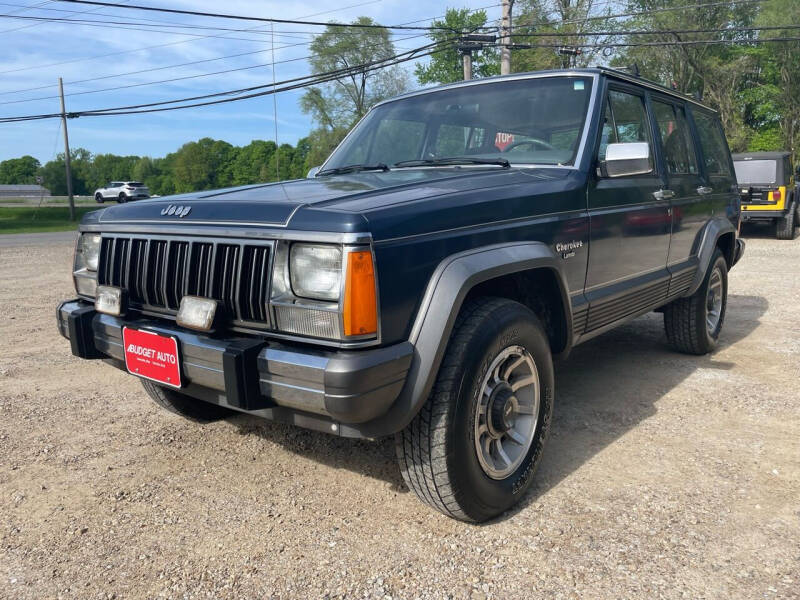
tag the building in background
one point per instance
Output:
(23, 191)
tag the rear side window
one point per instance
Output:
(715, 149)
(675, 139)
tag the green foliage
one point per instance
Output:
(564, 22)
(336, 106)
(19, 171)
(26, 219)
(447, 66)
(201, 165)
(766, 139)
(755, 88)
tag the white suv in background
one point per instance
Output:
(122, 191)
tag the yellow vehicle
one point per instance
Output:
(768, 191)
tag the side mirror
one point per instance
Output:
(632, 158)
(312, 172)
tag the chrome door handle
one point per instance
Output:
(704, 190)
(663, 194)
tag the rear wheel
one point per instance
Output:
(98, 198)
(693, 324)
(473, 448)
(185, 406)
(122, 198)
(785, 228)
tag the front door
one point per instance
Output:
(630, 221)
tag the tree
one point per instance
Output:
(447, 66)
(202, 165)
(784, 58)
(550, 25)
(338, 105)
(249, 161)
(19, 171)
(716, 72)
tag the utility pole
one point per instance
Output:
(505, 39)
(66, 151)
(469, 43)
(466, 56)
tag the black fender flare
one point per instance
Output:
(447, 288)
(716, 228)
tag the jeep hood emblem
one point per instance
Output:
(178, 211)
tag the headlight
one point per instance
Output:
(88, 251)
(324, 291)
(316, 271)
(87, 257)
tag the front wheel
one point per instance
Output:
(473, 448)
(693, 324)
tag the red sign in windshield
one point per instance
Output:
(503, 140)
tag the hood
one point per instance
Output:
(344, 198)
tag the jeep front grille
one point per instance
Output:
(157, 272)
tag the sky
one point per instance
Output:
(36, 53)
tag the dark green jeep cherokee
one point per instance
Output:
(419, 283)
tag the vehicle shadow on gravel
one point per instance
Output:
(612, 383)
(605, 388)
(376, 460)
(760, 231)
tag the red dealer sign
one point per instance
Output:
(152, 356)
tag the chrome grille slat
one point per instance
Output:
(157, 272)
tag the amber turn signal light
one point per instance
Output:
(360, 302)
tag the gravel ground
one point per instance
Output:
(666, 475)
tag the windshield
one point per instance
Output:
(755, 171)
(528, 121)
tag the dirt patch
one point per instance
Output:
(666, 475)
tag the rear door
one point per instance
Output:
(716, 165)
(691, 199)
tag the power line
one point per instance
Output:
(247, 18)
(164, 45)
(31, 89)
(172, 79)
(630, 14)
(652, 32)
(289, 84)
(132, 26)
(660, 43)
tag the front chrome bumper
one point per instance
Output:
(333, 391)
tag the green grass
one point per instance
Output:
(25, 219)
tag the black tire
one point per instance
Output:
(685, 319)
(785, 226)
(185, 406)
(437, 452)
(122, 198)
(99, 198)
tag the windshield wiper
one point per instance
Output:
(453, 160)
(352, 169)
